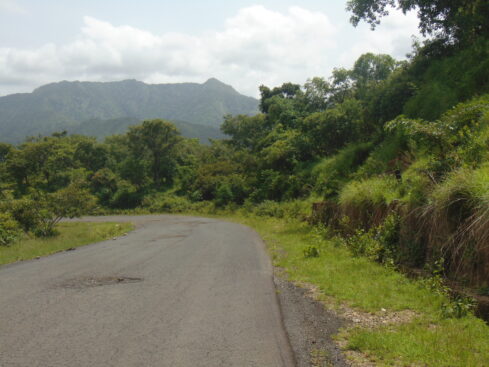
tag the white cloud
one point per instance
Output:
(393, 36)
(11, 6)
(256, 46)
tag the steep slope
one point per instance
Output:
(64, 105)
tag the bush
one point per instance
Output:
(269, 208)
(363, 243)
(23, 212)
(166, 203)
(41, 212)
(127, 196)
(70, 202)
(224, 195)
(9, 229)
(378, 243)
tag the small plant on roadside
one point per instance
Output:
(310, 252)
(455, 305)
(435, 281)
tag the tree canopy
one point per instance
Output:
(450, 20)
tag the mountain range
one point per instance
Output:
(105, 108)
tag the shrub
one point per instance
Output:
(378, 243)
(297, 209)
(9, 229)
(23, 212)
(167, 203)
(224, 195)
(364, 243)
(127, 196)
(269, 208)
(70, 202)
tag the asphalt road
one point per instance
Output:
(177, 291)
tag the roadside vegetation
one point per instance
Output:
(382, 166)
(70, 236)
(392, 320)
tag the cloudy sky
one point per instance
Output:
(242, 43)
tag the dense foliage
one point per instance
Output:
(448, 20)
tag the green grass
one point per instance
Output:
(374, 191)
(449, 342)
(71, 235)
(428, 340)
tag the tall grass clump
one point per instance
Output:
(329, 174)
(366, 202)
(417, 183)
(458, 214)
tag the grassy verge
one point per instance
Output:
(425, 339)
(71, 235)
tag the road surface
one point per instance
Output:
(177, 291)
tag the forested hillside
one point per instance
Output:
(75, 106)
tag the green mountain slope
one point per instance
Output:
(65, 105)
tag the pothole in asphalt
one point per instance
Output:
(90, 282)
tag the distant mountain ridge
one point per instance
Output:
(69, 105)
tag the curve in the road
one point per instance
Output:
(177, 291)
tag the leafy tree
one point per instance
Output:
(316, 94)
(332, 129)
(104, 184)
(246, 132)
(40, 212)
(155, 141)
(341, 85)
(90, 154)
(286, 91)
(450, 20)
(70, 202)
(5, 179)
(371, 68)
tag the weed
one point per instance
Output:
(454, 305)
(311, 251)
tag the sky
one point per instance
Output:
(242, 43)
